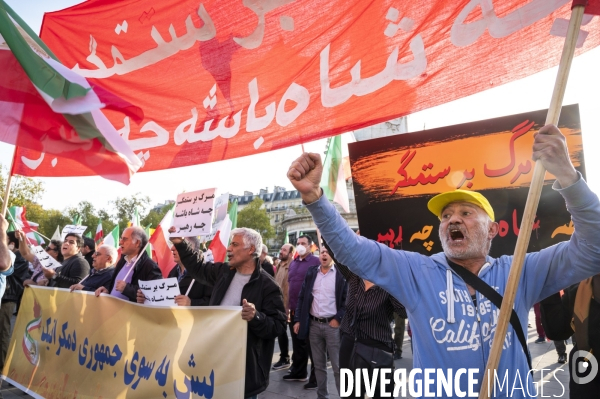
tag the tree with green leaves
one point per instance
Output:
(23, 191)
(154, 217)
(254, 216)
(125, 208)
(90, 217)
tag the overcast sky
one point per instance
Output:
(269, 169)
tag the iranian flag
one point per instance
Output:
(161, 244)
(47, 108)
(112, 238)
(332, 180)
(218, 245)
(17, 214)
(98, 235)
(34, 238)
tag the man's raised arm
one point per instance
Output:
(368, 259)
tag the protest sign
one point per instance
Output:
(160, 292)
(221, 204)
(193, 213)
(67, 345)
(394, 178)
(71, 228)
(46, 260)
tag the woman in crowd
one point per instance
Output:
(37, 276)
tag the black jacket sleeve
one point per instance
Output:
(204, 272)
(270, 321)
(298, 313)
(342, 308)
(201, 295)
(148, 270)
(77, 271)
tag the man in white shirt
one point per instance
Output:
(321, 306)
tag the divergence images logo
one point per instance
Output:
(584, 367)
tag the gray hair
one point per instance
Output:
(112, 252)
(265, 250)
(139, 234)
(194, 243)
(250, 237)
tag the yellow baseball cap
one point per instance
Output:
(437, 204)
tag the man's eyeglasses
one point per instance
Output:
(98, 253)
(52, 249)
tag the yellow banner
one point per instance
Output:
(67, 345)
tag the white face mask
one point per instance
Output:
(301, 249)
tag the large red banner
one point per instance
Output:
(221, 79)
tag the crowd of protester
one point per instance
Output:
(339, 307)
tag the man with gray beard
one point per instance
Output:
(453, 324)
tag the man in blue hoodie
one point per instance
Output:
(453, 325)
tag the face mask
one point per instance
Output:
(301, 249)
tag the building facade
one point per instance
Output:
(289, 216)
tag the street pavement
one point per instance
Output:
(555, 375)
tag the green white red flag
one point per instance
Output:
(18, 214)
(333, 181)
(112, 238)
(161, 244)
(48, 108)
(218, 245)
(98, 235)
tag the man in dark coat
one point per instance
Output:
(242, 282)
(74, 266)
(88, 250)
(133, 266)
(264, 262)
(104, 260)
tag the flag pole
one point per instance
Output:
(533, 199)
(8, 183)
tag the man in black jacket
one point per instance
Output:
(321, 307)
(264, 262)
(124, 282)
(88, 250)
(242, 282)
(103, 264)
(74, 266)
(12, 295)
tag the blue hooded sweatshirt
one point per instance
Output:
(448, 331)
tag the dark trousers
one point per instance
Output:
(561, 347)
(538, 321)
(284, 345)
(7, 309)
(346, 362)
(399, 327)
(302, 353)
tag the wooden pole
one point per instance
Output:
(8, 183)
(533, 199)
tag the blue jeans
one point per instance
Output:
(325, 339)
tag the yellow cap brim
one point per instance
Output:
(437, 204)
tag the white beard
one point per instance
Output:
(478, 243)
